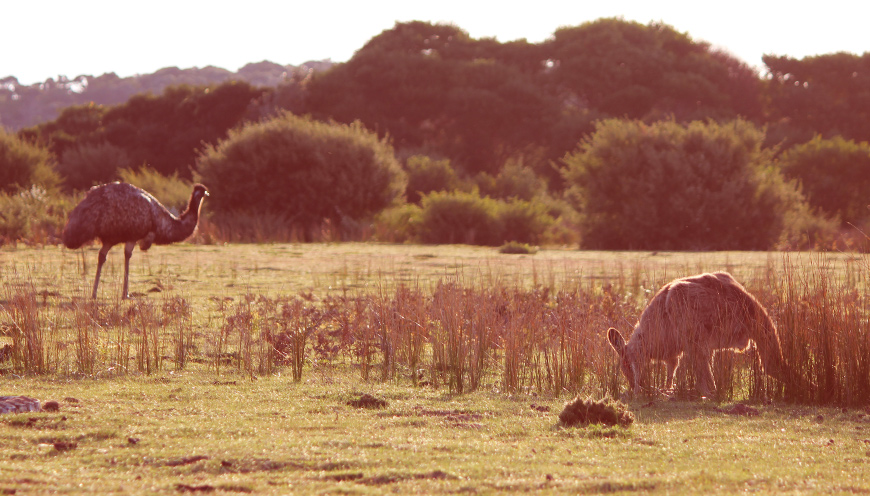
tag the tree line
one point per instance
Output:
(548, 142)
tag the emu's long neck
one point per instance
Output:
(171, 230)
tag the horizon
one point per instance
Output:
(71, 41)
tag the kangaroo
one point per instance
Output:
(688, 320)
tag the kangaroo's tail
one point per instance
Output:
(766, 338)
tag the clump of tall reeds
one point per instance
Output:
(825, 334)
(27, 326)
(545, 337)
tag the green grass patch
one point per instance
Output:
(275, 436)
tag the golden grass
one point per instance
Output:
(459, 316)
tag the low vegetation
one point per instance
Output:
(236, 369)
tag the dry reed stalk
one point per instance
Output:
(27, 324)
(177, 312)
(412, 323)
(86, 321)
(144, 324)
(358, 328)
(299, 321)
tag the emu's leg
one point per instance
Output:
(128, 252)
(101, 259)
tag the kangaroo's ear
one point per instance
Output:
(616, 341)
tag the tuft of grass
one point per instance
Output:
(517, 248)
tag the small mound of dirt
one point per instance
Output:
(740, 409)
(65, 445)
(580, 412)
(368, 401)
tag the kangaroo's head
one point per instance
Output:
(627, 360)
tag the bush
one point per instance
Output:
(23, 164)
(672, 187)
(459, 217)
(89, 164)
(515, 248)
(303, 170)
(834, 175)
(33, 216)
(514, 181)
(426, 175)
(805, 230)
(398, 224)
(523, 221)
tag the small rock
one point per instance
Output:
(50, 406)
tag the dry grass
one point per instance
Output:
(465, 319)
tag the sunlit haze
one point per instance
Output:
(49, 38)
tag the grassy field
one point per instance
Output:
(216, 425)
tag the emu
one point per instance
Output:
(688, 320)
(122, 213)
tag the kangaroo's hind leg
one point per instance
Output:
(672, 363)
(702, 363)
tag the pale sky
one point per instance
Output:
(47, 38)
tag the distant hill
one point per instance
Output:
(27, 105)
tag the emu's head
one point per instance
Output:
(199, 192)
(196, 197)
(627, 358)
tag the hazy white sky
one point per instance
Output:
(47, 38)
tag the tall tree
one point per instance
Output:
(164, 132)
(825, 94)
(627, 69)
(432, 86)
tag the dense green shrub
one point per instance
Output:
(302, 170)
(33, 216)
(516, 248)
(461, 217)
(669, 186)
(513, 181)
(426, 175)
(523, 221)
(399, 224)
(23, 164)
(89, 164)
(834, 175)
